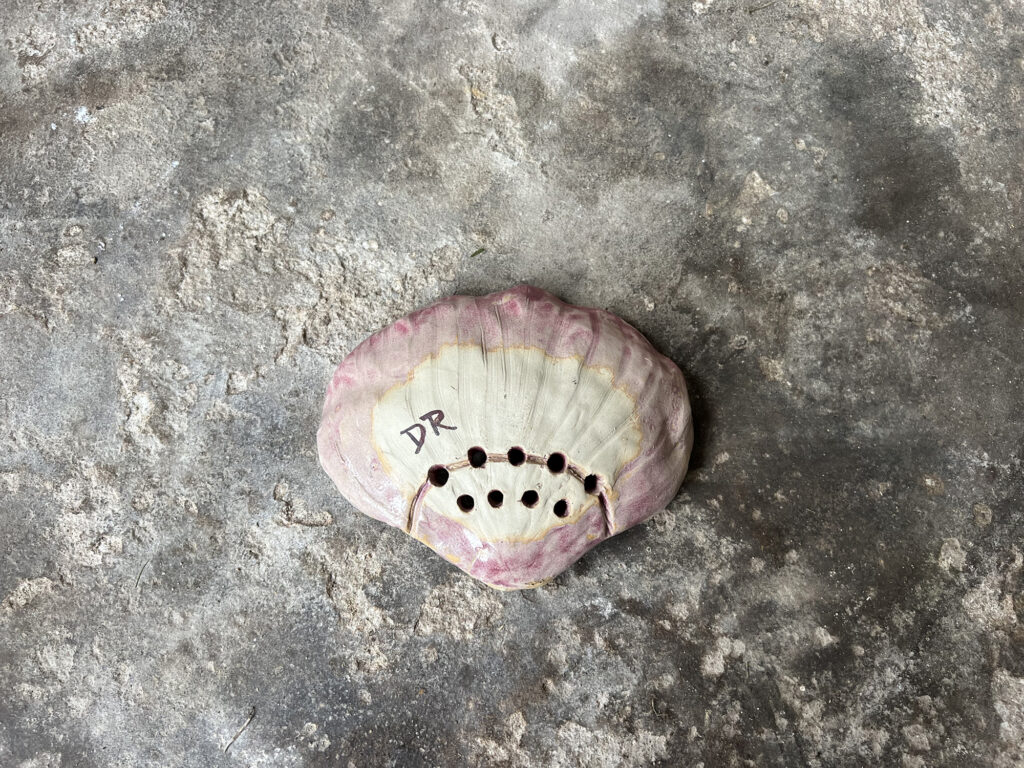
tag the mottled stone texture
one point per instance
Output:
(814, 208)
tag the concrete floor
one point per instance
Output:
(815, 208)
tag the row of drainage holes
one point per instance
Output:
(516, 457)
(497, 498)
(438, 475)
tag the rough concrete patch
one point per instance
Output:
(43, 760)
(952, 555)
(459, 609)
(56, 661)
(1008, 696)
(579, 747)
(229, 229)
(713, 662)
(989, 605)
(345, 578)
(916, 736)
(295, 511)
(755, 190)
(26, 592)
(507, 752)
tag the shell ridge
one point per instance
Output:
(544, 434)
(624, 356)
(665, 491)
(600, 405)
(580, 371)
(414, 509)
(527, 335)
(654, 371)
(488, 425)
(502, 342)
(436, 369)
(347, 464)
(459, 394)
(539, 382)
(409, 407)
(609, 513)
(667, 430)
(566, 408)
(504, 348)
(332, 438)
(609, 442)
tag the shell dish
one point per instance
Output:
(510, 433)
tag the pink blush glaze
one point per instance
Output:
(381, 478)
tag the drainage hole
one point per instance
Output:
(556, 462)
(477, 456)
(465, 502)
(530, 498)
(561, 508)
(516, 456)
(437, 475)
(494, 498)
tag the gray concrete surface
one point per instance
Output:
(815, 208)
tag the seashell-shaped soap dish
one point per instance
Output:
(510, 433)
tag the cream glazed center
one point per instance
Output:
(509, 442)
